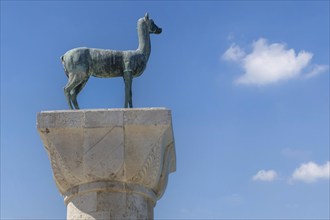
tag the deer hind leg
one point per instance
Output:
(76, 91)
(70, 91)
(67, 90)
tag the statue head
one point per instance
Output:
(152, 27)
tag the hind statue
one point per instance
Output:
(81, 63)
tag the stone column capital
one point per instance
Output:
(109, 150)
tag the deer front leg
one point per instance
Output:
(128, 78)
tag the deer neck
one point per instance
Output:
(144, 38)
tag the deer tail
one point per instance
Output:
(65, 70)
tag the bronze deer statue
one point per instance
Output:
(81, 63)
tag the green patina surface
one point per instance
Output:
(81, 63)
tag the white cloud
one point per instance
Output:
(270, 63)
(311, 172)
(265, 175)
(234, 53)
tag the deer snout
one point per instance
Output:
(158, 31)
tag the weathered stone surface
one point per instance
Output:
(111, 200)
(109, 163)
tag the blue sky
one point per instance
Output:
(247, 83)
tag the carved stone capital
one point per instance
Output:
(111, 151)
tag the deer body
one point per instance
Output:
(104, 63)
(81, 63)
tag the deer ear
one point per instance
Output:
(146, 17)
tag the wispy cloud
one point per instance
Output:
(298, 154)
(271, 63)
(311, 172)
(265, 175)
(234, 199)
(316, 70)
(234, 53)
